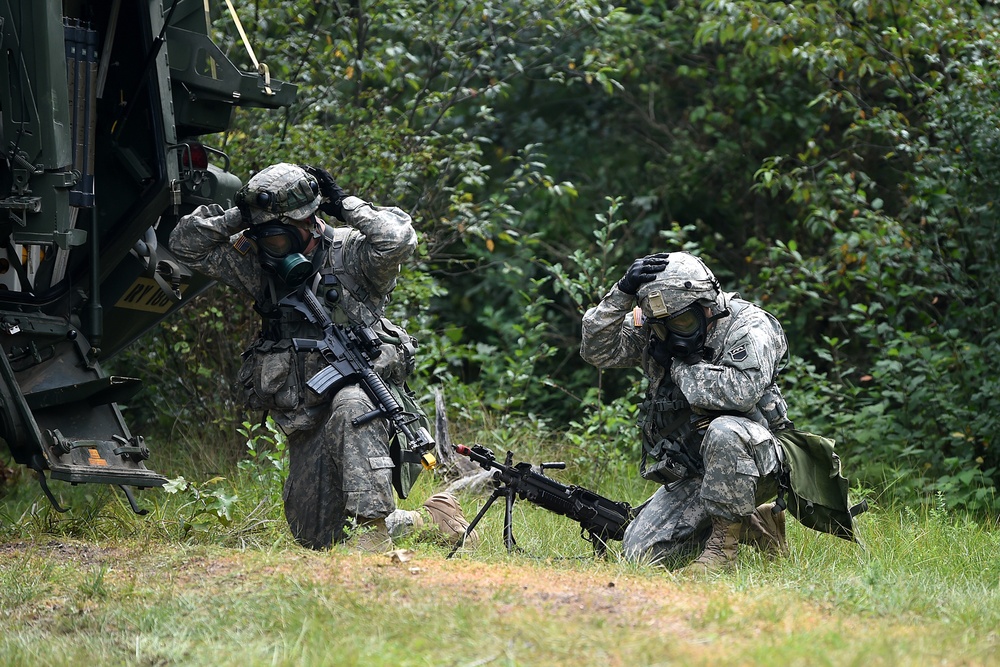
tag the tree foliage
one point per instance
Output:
(835, 160)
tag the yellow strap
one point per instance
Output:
(261, 67)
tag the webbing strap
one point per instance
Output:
(260, 67)
(340, 270)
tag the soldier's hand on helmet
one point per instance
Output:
(333, 195)
(246, 215)
(642, 271)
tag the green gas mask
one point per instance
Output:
(281, 251)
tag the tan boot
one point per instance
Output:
(370, 537)
(721, 549)
(765, 530)
(446, 513)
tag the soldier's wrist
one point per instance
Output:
(621, 299)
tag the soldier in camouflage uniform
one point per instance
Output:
(268, 245)
(710, 411)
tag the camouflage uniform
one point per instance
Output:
(733, 386)
(323, 443)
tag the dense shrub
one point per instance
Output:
(834, 160)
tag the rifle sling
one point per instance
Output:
(346, 280)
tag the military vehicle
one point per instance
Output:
(103, 104)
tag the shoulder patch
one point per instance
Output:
(738, 353)
(242, 245)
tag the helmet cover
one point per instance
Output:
(281, 190)
(684, 281)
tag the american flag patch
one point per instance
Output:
(242, 245)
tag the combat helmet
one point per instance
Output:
(682, 282)
(672, 305)
(279, 190)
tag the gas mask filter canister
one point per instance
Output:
(280, 249)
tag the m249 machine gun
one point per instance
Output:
(102, 103)
(601, 519)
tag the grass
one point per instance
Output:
(182, 586)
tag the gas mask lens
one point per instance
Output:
(276, 244)
(278, 239)
(685, 322)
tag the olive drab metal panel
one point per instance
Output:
(102, 106)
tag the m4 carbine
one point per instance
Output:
(349, 352)
(601, 519)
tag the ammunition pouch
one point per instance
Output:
(670, 444)
(674, 460)
(270, 376)
(663, 471)
(406, 347)
(273, 376)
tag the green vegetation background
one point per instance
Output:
(832, 160)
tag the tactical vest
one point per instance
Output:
(345, 299)
(329, 284)
(669, 440)
(672, 433)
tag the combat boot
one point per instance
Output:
(765, 530)
(721, 548)
(370, 537)
(446, 513)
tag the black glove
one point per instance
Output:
(642, 271)
(659, 352)
(246, 215)
(333, 195)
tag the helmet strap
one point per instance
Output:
(718, 316)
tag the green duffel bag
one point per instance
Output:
(816, 489)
